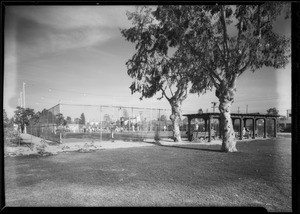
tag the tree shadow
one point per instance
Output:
(192, 148)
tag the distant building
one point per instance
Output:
(73, 127)
(94, 123)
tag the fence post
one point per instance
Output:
(19, 138)
(157, 128)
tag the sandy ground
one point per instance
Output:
(36, 146)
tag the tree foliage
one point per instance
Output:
(6, 121)
(273, 111)
(223, 41)
(214, 45)
(22, 116)
(69, 120)
(60, 120)
(82, 119)
(157, 65)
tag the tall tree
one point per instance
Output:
(60, 120)
(155, 67)
(200, 111)
(82, 119)
(69, 120)
(77, 120)
(223, 42)
(22, 117)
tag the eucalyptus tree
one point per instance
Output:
(157, 65)
(222, 42)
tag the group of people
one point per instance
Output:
(247, 133)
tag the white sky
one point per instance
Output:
(76, 54)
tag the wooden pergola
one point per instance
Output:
(207, 117)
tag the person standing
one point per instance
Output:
(243, 132)
(112, 131)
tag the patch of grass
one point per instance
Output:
(183, 175)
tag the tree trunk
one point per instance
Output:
(175, 118)
(22, 128)
(228, 134)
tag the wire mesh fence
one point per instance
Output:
(65, 123)
(47, 127)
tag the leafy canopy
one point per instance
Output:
(223, 41)
(23, 116)
(157, 65)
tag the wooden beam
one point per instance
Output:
(265, 127)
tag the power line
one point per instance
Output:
(114, 106)
(77, 92)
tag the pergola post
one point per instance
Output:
(253, 128)
(245, 122)
(209, 129)
(275, 127)
(265, 128)
(189, 129)
(241, 127)
(233, 120)
(220, 128)
(205, 124)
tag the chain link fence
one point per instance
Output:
(46, 127)
(65, 123)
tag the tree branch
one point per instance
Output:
(211, 71)
(164, 93)
(217, 85)
(225, 45)
(171, 91)
(240, 71)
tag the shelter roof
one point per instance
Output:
(233, 115)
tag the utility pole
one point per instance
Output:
(246, 109)
(21, 99)
(214, 106)
(24, 94)
(24, 106)
(238, 110)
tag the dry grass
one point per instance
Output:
(184, 175)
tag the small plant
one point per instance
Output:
(41, 147)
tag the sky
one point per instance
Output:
(77, 55)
